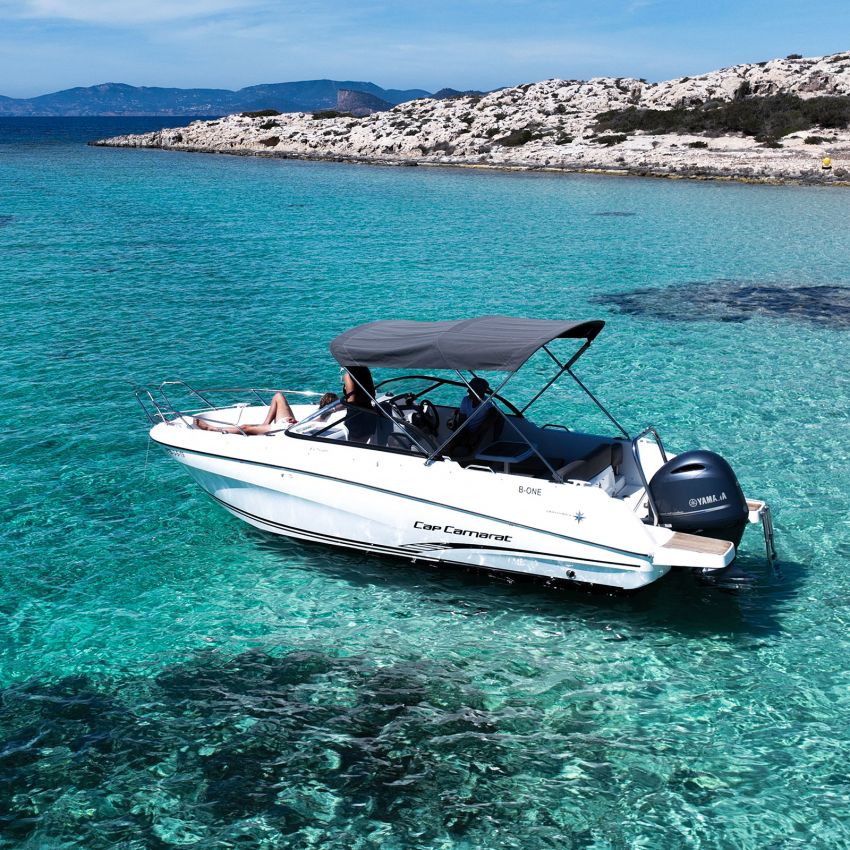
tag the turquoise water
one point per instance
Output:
(170, 677)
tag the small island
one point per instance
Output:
(786, 120)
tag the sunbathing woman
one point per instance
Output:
(279, 417)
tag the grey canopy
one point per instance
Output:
(488, 343)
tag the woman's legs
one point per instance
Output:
(279, 410)
(234, 429)
(222, 429)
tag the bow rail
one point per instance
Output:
(175, 401)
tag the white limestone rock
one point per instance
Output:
(548, 124)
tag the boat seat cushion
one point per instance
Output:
(594, 462)
(535, 467)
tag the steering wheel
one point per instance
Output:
(423, 415)
(401, 404)
(429, 417)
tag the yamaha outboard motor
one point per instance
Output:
(697, 492)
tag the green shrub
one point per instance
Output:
(697, 144)
(463, 95)
(269, 125)
(261, 113)
(563, 139)
(743, 90)
(794, 56)
(515, 138)
(767, 117)
(323, 114)
(492, 131)
(270, 142)
(613, 139)
(814, 140)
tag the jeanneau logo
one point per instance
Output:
(713, 499)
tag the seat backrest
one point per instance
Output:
(482, 433)
(383, 428)
(594, 462)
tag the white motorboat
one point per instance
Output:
(408, 476)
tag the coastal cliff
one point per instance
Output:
(709, 126)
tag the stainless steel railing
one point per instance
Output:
(159, 405)
(636, 454)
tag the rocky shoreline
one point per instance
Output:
(552, 126)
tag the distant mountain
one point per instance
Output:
(317, 94)
(121, 99)
(360, 103)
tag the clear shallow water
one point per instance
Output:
(171, 677)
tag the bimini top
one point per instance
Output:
(488, 343)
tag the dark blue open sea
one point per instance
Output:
(171, 678)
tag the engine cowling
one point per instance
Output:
(697, 492)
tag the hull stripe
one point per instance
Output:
(407, 551)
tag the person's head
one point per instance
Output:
(478, 390)
(326, 401)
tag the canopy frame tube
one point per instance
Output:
(598, 403)
(562, 367)
(568, 368)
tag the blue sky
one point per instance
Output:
(46, 45)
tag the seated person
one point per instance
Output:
(474, 407)
(278, 416)
(325, 401)
(358, 392)
(477, 410)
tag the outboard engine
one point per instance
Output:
(698, 493)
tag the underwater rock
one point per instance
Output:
(6, 220)
(301, 742)
(210, 680)
(59, 736)
(736, 301)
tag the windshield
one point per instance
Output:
(388, 424)
(324, 418)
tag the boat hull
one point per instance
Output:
(394, 505)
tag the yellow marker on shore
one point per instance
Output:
(827, 164)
